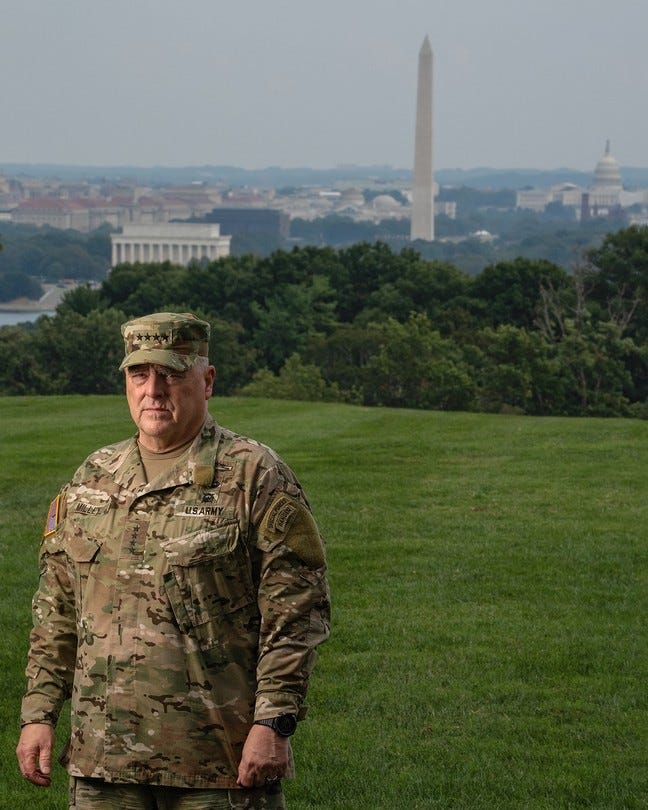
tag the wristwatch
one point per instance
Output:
(285, 724)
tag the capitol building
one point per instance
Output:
(602, 198)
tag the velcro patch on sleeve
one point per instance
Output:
(291, 521)
(203, 475)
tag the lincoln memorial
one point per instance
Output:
(175, 242)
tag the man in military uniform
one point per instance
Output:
(182, 596)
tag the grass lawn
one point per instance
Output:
(490, 591)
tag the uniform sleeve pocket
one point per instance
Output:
(82, 549)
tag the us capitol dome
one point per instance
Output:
(607, 176)
(605, 191)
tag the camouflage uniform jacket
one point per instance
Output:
(174, 613)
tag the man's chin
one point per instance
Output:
(154, 417)
(155, 425)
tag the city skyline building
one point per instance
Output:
(176, 242)
(605, 196)
(422, 225)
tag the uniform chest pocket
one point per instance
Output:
(209, 576)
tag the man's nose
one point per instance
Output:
(155, 384)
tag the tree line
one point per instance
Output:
(36, 255)
(33, 255)
(368, 325)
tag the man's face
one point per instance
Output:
(168, 406)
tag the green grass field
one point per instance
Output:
(490, 599)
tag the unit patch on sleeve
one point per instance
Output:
(292, 521)
(281, 514)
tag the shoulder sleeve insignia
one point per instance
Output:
(281, 514)
(52, 517)
(289, 521)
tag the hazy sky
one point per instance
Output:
(255, 83)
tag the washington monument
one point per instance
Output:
(423, 178)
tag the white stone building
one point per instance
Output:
(604, 195)
(176, 242)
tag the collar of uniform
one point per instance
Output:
(122, 461)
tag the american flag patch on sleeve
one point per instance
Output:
(52, 517)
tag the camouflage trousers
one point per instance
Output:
(94, 794)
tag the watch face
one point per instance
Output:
(286, 724)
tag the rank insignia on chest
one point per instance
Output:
(52, 517)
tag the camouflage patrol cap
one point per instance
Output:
(170, 339)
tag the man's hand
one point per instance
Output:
(34, 753)
(266, 755)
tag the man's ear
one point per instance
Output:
(210, 376)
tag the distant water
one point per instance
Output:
(12, 318)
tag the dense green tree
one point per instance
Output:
(80, 354)
(593, 354)
(370, 324)
(18, 285)
(147, 287)
(295, 380)
(597, 377)
(81, 299)
(229, 288)
(20, 370)
(288, 318)
(618, 280)
(342, 354)
(436, 288)
(414, 367)
(470, 255)
(511, 292)
(235, 359)
(122, 282)
(517, 370)
(361, 270)
(52, 254)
